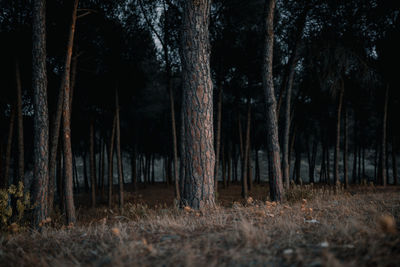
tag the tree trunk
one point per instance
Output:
(110, 162)
(85, 176)
(92, 165)
(9, 146)
(133, 168)
(383, 144)
(394, 162)
(345, 151)
(258, 175)
(229, 178)
(245, 192)
(218, 137)
(40, 119)
(21, 168)
(276, 191)
(241, 146)
(65, 82)
(119, 155)
(198, 105)
(337, 146)
(223, 166)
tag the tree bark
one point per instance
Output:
(383, 144)
(198, 104)
(41, 126)
(337, 146)
(65, 82)
(119, 155)
(21, 168)
(276, 190)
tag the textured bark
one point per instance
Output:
(65, 82)
(110, 163)
(92, 165)
(40, 119)
(198, 105)
(345, 151)
(276, 190)
(383, 140)
(337, 145)
(218, 137)
(119, 155)
(9, 146)
(21, 168)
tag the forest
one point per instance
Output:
(228, 133)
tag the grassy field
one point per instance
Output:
(316, 227)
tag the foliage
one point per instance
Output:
(15, 207)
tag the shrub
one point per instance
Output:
(15, 206)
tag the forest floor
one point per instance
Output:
(315, 227)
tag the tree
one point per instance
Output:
(41, 126)
(66, 112)
(274, 161)
(197, 106)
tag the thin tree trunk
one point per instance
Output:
(394, 162)
(337, 146)
(276, 190)
(229, 166)
(383, 144)
(21, 168)
(85, 176)
(9, 146)
(218, 137)
(65, 86)
(345, 151)
(41, 127)
(133, 168)
(245, 192)
(119, 155)
(110, 163)
(92, 165)
(224, 166)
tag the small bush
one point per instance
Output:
(15, 206)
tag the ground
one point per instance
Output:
(316, 227)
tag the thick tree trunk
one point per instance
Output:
(337, 145)
(65, 82)
(276, 191)
(110, 162)
(40, 119)
(21, 168)
(218, 137)
(345, 151)
(9, 146)
(198, 105)
(92, 165)
(119, 155)
(383, 144)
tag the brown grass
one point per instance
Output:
(356, 227)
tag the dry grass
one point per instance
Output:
(353, 228)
